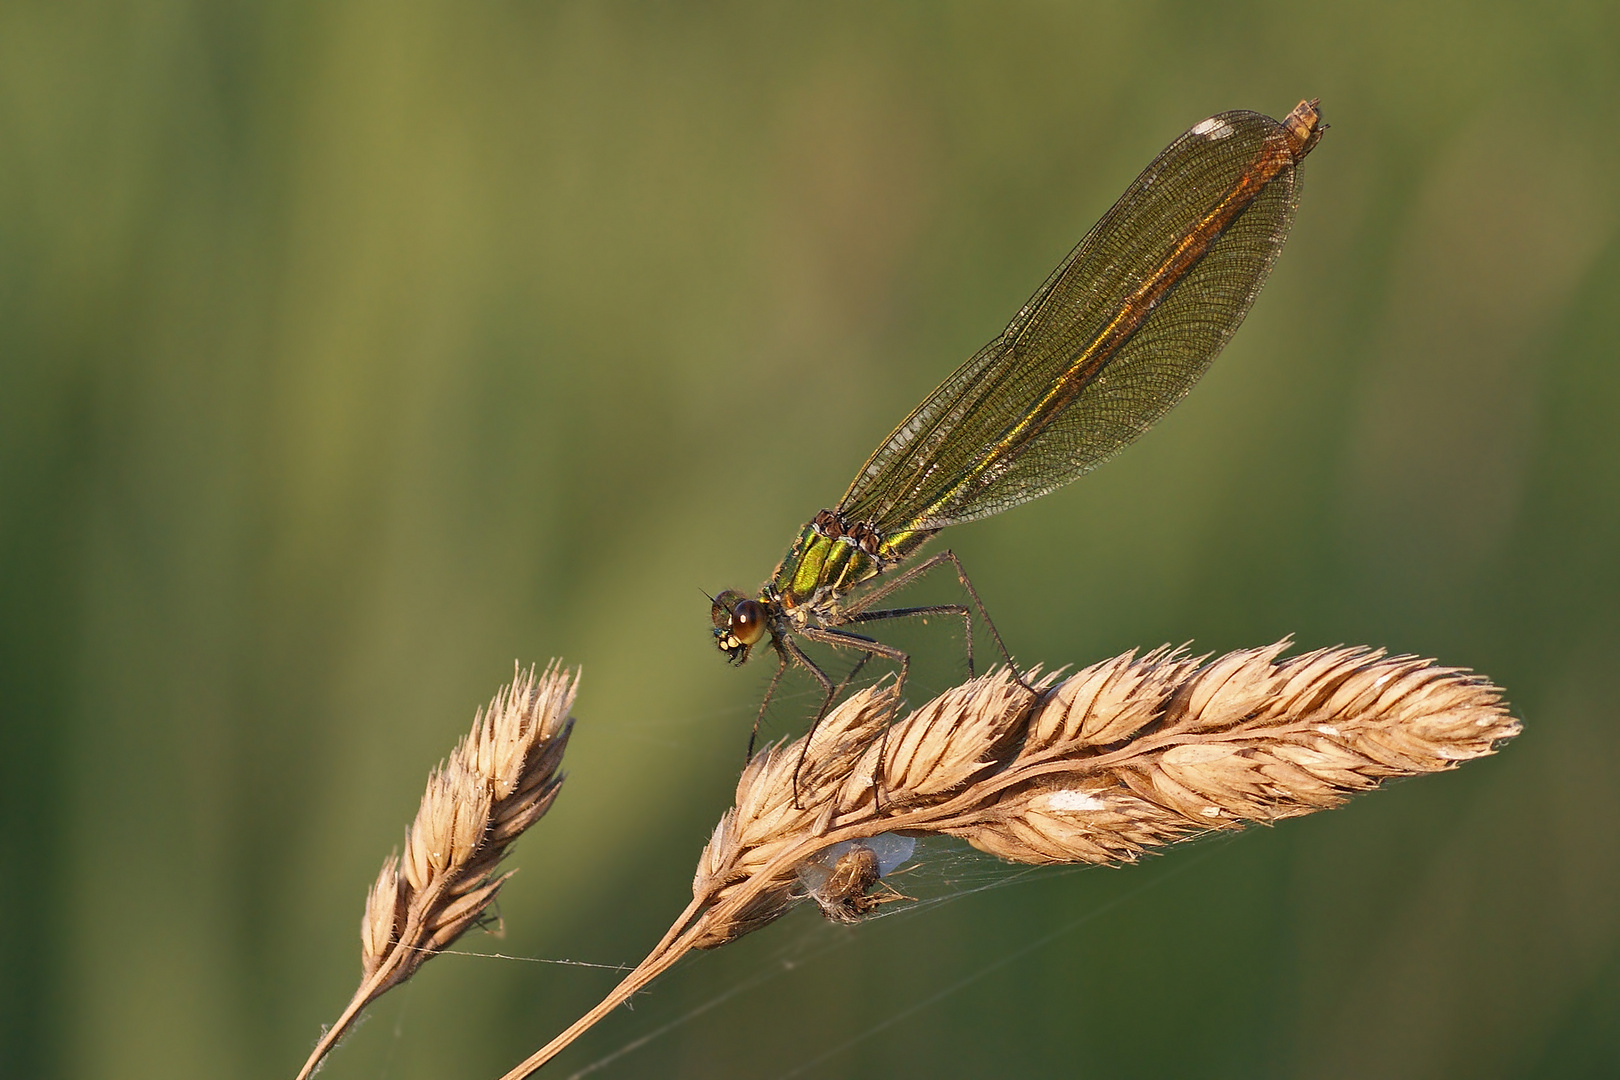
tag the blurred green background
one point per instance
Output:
(349, 351)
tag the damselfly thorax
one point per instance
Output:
(1118, 334)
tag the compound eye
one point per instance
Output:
(748, 621)
(724, 605)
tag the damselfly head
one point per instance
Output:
(739, 623)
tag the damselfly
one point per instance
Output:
(1115, 336)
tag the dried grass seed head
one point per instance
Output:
(1122, 757)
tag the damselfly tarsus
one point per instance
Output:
(1118, 334)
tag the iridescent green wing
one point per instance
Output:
(1114, 338)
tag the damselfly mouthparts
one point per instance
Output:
(1115, 336)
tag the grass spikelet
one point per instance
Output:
(500, 779)
(1122, 757)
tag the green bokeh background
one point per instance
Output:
(350, 351)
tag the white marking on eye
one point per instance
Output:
(1214, 129)
(1070, 799)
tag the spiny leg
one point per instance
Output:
(770, 692)
(926, 609)
(901, 613)
(843, 684)
(859, 606)
(826, 703)
(847, 640)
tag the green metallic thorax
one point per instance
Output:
(819, 570)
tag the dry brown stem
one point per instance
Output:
(1127, 755)
(497, 782)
